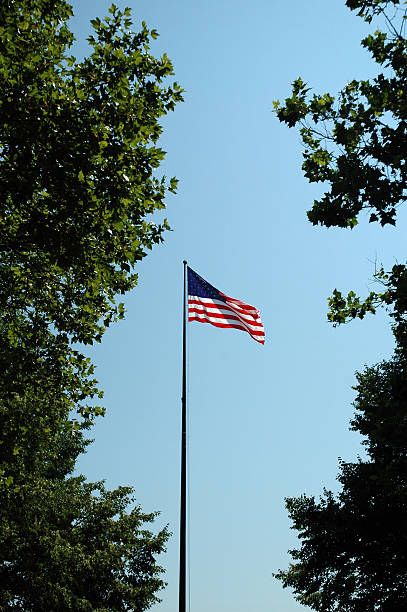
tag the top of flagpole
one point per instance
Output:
(185, 261)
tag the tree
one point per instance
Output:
(77, 171)
(353, 552)
(356, 144)
(66, 544)
(77, 165)
(352, 557)
(78, 188)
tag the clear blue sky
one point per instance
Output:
(265, 422)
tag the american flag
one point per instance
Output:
(209, 305)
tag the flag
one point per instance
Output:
(209, 305)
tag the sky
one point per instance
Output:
(268, 422)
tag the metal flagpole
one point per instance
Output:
(183, 513)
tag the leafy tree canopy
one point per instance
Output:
(66, 544)
(79, 151)
(352, 556)
(355, 144)
(79, 157)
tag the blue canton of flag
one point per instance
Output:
(209, 305)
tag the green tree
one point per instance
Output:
(79, 152)
(66, 544)
(78, 187)
(353, 552)
(355, 144)
(352, 556)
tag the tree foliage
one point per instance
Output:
(66, 544)
(356, 142)
(79, 150)
(79, 156)
(352, 554)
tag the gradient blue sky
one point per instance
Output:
(265, 422)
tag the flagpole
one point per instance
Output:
(183, 513)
